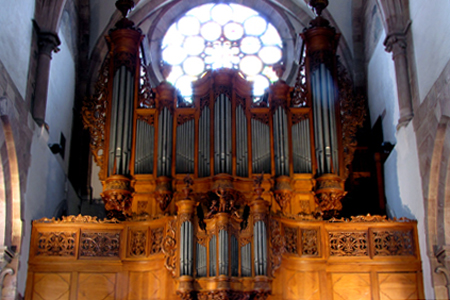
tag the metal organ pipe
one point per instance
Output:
(203, 143)
(301, 147)
(201, 260)
(121, 122)
(246, 261)
(145, 136)
(281, 142)
(186, 249)
(222, 135)
(165, 142)
(223, 252)
(212, 256)
(234, 256)
(261, 160)
(260, 248)
(185, 147)
(325, 120)
(241, 143)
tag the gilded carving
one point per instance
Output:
(283, 198)
(169, 247)
(99, 244)
(353, 113)
(310, 242)
(56, 244)
(76, 219)
(94, 116)
(300, 93)
(142, 207)
(146, 97)
(149, 119)
(138, 242)
(330, 201)
(227, 295)
(184, 118)
(163, 199)
(348, 243)
(277, 245)
(393, 242)
(290, 240)
(297, 118)
(263, 118)
(157, 240)
(368, 219)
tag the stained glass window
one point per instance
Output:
(213, 36)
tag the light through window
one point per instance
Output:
(214, 36)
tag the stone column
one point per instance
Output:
(48, 42)
(396, 43)
(396, 14)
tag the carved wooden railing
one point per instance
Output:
(82, 256)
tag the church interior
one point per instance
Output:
(253, 149)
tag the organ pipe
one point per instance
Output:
(212, 256)
(246, 260)
(204, 143)
(222, 135)
(145, 138)
(281, 144)
(223, 252)
(185, 147)
(241, 143)
(260, 248)
(201, 260)
(186, 249)
(261, 149)
(165, 142)
(301, 147)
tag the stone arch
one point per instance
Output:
(437, 208)
(12, 202)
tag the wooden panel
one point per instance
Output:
(301, 286)
(398, 286)
(96, 286)
(145, 285)
(51, 286)
(348, 286)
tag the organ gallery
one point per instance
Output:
(229, 186)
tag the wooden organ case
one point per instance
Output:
(223, 197)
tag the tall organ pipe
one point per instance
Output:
(324, 120)
(204, 143)
(120, 137)
(212, 256)
(145, 136)
(165, 142)
(281, 142)
(222, 135)
(185, 147)
(301, 147)
(201, 260)
(241, 143)
(186, 249)
(260, 248)
(260, 147)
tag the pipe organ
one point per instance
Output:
(223, 197)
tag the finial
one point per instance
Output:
(124, 6)
(318, 6)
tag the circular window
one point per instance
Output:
(214, 36)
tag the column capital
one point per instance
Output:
(48, 41)
(395, 42)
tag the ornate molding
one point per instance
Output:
(369, 218)
(117, 195)
(291, 240)
(138, 242)
(157, 240)
(76, 219)
(310, 242)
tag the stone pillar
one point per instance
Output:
(48, 42)
(397, 24)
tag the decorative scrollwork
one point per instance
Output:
(310, 242)
(369, 218)
(157, 240)
(277, 245)
(290, 240)
(263, 118)
(56, 244)
(283, 198)
(226, 295)
(146, 97)
(184, 118)
(94, 116)
(353, 112)
(100, 244)
(297, 118)
(169, 247)
(138, 241)
(300, 93)
(391, 243)
(348, 243)
(149, 119)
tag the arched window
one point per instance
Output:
(214, 36)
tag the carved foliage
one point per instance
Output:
(146, 97)
(184, 118)
(100, 244)
(138, 241)
(310, 242)
(56, 244)
(157, 240)
(290, 240)
(231, 295)
(169, 247)
(94, 116)
(390, 243)
(283, 198)
(330, 201)
(149, 119)
(296, 118)
(348, 243)
(300, 93)
(277, 245)
(263, 118)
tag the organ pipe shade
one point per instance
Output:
(145, 139)
(261, 148)
(281, 142)
(301, 147)
(185, 147)
(121, 124)
(325, 130)
(165, 125)
(204, 144)
(222, 135)
(186, 249)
